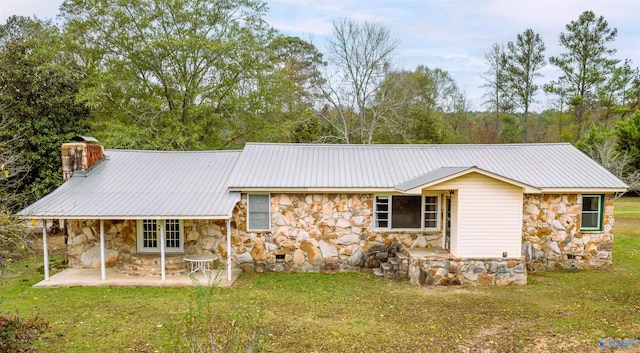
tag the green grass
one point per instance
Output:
(558, 311)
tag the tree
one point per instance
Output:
(418, 103)
(524, 59)
(458, 121)
(281, 107)
(628, 138)
(12, 167)
(15, 240)
(495, 82)
(585, 65)
(617, 150)
(361, 54)
(299, 64)
(600, 144)
(558, 126)
(39, 109)
(618, 94)
(177, 74)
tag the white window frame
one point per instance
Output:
(156, 249)
(437, 212)
(377, 213)
(249, 228)
(599, 212)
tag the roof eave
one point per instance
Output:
(124, 217)
(335, 190)
(582, 190)
(528, 189)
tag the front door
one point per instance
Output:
(447, 223)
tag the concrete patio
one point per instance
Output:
(430, 253)
(76, 277)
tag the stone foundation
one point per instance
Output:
(552, 239)
(448, 272)
(149, 264)
(318, 233)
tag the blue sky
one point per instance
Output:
(453, 35)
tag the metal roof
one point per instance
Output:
(304, 166)
(88, 139)
(156, 184)
(145, 184)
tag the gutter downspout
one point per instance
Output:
(46, 249)
(229, 249)
(103, 267)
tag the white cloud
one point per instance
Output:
(43, 9)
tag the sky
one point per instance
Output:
(453, 35)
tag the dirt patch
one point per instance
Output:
(498, 338)
(449, 290)
(484, 342)
(554, 344)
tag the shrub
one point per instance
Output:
(17, 335)
(15, 240)
(208, 328)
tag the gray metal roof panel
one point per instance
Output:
(146, 184)
(195, 184)
(556, 165)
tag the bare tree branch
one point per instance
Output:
(361, 54)
(619, 164)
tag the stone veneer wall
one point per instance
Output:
(551, 236)
(445, 272)
(318, 232)
(83, 244)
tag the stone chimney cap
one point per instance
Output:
(87, 139)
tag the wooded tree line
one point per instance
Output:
(213, 74)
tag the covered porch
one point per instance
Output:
(123, 268)
(134, 211)
(83, 277)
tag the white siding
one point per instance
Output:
(454, 224)
(486, 217)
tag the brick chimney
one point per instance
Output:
(80, 154)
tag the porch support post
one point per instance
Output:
(103, 266)
(45, 246)
(162, 258)
(229, 249)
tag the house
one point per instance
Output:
(436, 214)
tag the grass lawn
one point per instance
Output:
(557, 311)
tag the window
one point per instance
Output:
(591, 216)
(431, 209)
(258, 216)
(381, 213)
(172, 233)
(149, 235)
(407, 212)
